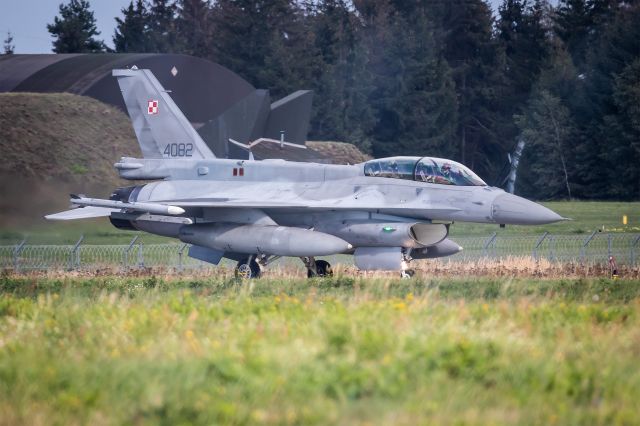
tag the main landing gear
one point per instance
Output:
(317, 268)
(252, 266)
(248, 268)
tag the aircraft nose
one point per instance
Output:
(510, 209)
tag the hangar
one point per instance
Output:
(220, 104)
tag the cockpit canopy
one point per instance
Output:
(425, 169)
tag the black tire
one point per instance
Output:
(247, 269)
(323, 269)
(409, 273)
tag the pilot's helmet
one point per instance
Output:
(446, 168)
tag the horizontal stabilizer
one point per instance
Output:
(206, 254)
(81, 213)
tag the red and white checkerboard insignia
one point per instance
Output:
(152, 107)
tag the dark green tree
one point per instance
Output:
(546, 128)
(523, 37)
(194, 26)
(8, 45)
(163, 23)
(414, 97)
(132, 33)
(413, 94)
(342, 111)
(581, 23)
(555, 95)
(604, 114)
(75, 29)
(626, 96)
(476, 63)
(266, 42)
(572, 23)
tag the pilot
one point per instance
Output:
(446, 170)
(395, 172)
(425, 173)
(445, 177)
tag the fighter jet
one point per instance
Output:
(385, 212)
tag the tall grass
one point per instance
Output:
(147, 350)
(514, 266)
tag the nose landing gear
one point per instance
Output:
(405, 272)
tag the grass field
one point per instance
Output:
(587, 217)
(126, 350)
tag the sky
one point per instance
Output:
(27, 20)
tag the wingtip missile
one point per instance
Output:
(154, 208)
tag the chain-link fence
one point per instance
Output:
(593, 248)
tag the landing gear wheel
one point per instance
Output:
(323, 269)
(247, 269)
(407, 274)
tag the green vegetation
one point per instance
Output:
(95, 231)
(79, 169)
(147, 351)
(54, 144)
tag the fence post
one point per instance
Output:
(552, 248)
(125, 255)
(140, 255)
(74, 257)
(583, 249)
(538, 243)
(490, 240)
(16, 254)
(180, 254)
(633, 250)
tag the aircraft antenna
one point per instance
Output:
(249, 147)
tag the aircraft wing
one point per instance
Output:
(96, 207)
(238, 203)
(318, 205)
(81, 213)
(93, 207)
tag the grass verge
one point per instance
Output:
(149, 350)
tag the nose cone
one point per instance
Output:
(513, 210)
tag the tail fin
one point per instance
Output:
(161, 128)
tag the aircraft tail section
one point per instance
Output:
(161, 128)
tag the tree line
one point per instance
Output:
(427, 77)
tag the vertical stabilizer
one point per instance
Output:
(161, 128)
